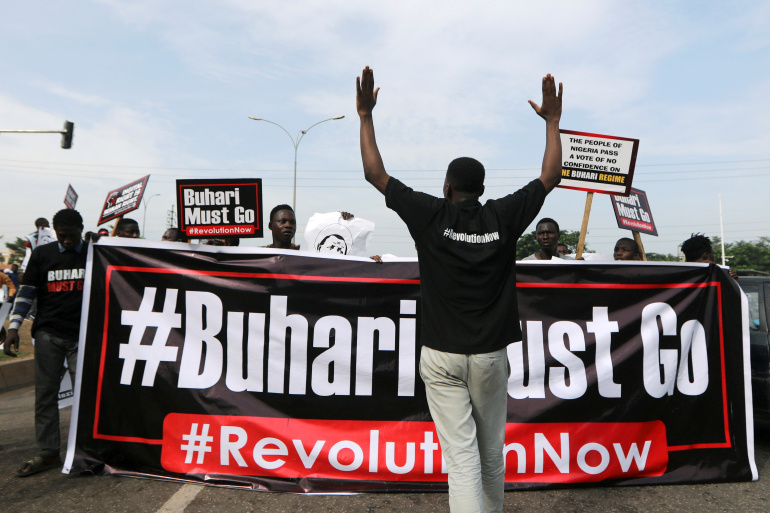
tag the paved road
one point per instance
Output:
(53, 492)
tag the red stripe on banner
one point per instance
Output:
(728, 438)
(110, 269)
(271, 276)
(103, 355)
(403, 451)
(132, 439)
(630, 286)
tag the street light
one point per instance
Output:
(66, 133)
(144, 216)
(295, 143)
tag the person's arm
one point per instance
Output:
(550, 111)
(21, 308)
(366, 99)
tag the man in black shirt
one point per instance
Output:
(467, 264)
(55, 277)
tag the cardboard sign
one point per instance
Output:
(633, 212)
(597, 163)
(71, 197)
(220, 208)
(123, 200)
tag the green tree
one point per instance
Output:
(17, 250)
(527, 243)
(745, 257)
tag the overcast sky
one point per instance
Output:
(165, 88)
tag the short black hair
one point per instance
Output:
(67, 217)
(466, 175)
(634, 244)
(548, 220)
(124, 222)
(278, 208)
(694, 247)
(41, 221)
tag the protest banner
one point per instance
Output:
(123, 200)
(220, 208)
(70, 197)
(633, 212)
(287, 371)
(596, 163)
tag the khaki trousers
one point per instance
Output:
(468, 396)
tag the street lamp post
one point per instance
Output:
(144, 216)
(295, 142)
(66, 133)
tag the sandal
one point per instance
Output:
(38, 464)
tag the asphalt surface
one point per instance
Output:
(53, 492)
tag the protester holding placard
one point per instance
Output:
(466, 254)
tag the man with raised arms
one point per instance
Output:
(469, 311)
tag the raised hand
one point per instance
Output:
(550, 109)
(366, 94)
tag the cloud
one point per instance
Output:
(85, 99)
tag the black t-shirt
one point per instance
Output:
(58, 276)
(467, 256)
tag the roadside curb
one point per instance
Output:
(17, 374)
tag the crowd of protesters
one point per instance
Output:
(464, 367)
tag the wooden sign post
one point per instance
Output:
(584, 226)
